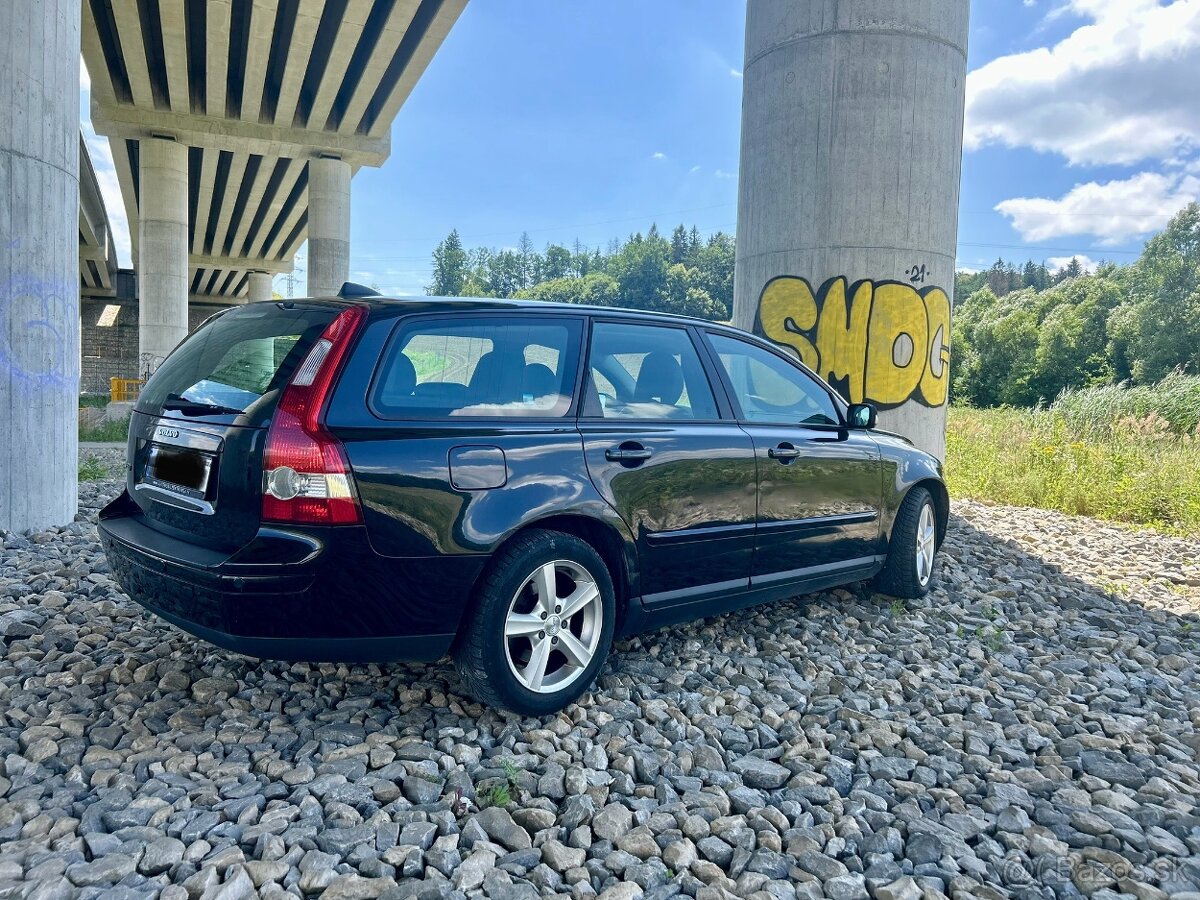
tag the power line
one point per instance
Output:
(634, 218)
(1032, 247)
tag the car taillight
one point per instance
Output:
(306, 476)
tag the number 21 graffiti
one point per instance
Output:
(881, 342)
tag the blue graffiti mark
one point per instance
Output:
(39, 340)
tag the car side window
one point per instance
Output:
(486, 366)
(768, 389)
(647, 372)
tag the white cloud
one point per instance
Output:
(735, 73)
(693, 170)
(721, 173)
(659, 155)
(1057, 263)
(1121, 88)
(1114, 211)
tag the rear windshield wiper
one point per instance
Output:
(178, 403)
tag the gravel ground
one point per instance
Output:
(1028, 730)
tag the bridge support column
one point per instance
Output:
(258, 287)
(328, 226)
(39, 263)
(162, 251)
(852, 118)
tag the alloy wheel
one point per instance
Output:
(926, 544)
(553, 626)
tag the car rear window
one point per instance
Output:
(237, 357)
(486, 366)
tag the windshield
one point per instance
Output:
(235, 359)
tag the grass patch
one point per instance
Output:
(497, 795)
(91, 469)
(106, 432)
(1088, 454)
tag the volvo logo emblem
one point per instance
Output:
(163, 432)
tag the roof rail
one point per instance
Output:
(351, 290)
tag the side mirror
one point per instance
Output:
(861, 415)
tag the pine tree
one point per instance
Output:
(679, 244)
(529, 261)
(449, 267)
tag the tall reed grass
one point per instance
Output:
(1124, 454)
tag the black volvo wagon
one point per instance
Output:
(515, 483)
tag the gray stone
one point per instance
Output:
(160, 855)
(761, 773)
(500, 827)
(846, 887)
(474, 869)
(561, 857)
(901, 889)
(421, 834)
(355, 887)
(106, 870)
(824, 867)
(611, 822)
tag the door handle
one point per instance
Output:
(628, 453)
(785, 452)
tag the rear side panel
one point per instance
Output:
(414, 506)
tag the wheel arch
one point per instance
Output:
(941, 502)
(615, 547)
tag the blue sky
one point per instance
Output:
(571, 120)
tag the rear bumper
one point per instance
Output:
(324, 596)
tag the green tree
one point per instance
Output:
(1158, 328)
(679, 244)
(640, 268)
(529, 263)
(505, 273)
(449, 267)
(714, 266)
(684, 294)
(556, 263)
(594, 289)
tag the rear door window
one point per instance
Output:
(236, 358)
(521, 366)
(646, 372)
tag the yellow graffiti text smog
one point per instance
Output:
(879, 342)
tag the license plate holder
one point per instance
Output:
(178, 470)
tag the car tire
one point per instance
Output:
(515, 651)
(909, 570)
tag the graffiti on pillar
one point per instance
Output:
(148, 364)
(881, 342)
(39, 349)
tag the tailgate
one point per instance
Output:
(198, 431)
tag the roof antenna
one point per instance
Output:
(351, 291)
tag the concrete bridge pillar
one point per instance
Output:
(258, 287)
(852, 117)
(39, 262)
(162, 250)
(328, 226)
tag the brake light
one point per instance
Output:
(306, 476)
